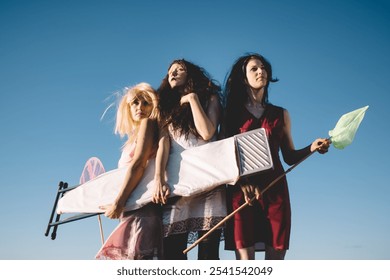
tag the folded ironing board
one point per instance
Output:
(193, 171)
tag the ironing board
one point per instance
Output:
(193, 171)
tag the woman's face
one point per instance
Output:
(140, 108)
(256, 75)
(177, 75)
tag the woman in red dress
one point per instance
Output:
(266, 224)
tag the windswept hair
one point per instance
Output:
(235, 90)
(180, 116)
(125, 125)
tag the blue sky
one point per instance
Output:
(61, 60)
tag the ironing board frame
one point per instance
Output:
(252, 155)
(62, 189)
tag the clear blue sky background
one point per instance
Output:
(60, 60)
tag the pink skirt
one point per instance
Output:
(137, 237)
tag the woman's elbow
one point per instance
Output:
(208, 134)
(138, 166)
(206, 137)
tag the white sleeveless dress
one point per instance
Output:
(194, 213)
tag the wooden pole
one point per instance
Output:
(244, 205)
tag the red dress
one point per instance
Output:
(269, 219)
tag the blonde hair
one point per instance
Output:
(125, 124)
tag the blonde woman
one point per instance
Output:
(138, 236)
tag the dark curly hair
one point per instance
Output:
(235, 91)
(180, 116)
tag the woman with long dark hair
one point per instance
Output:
(266, 224)
(190, 110)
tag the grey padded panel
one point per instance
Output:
(253, 152)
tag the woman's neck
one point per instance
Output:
(255, 97)
(180, 90)
(254, 103)
(133, 135)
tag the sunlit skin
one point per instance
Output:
(177, 75)
(140, 108)
(205, 122)
(256, 79)
(256, 75)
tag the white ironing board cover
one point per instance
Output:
(193, 171)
